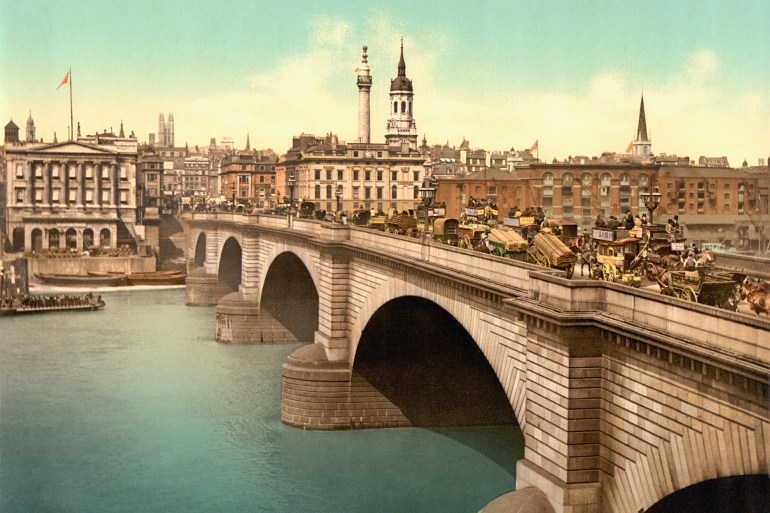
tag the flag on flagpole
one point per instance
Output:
(355, 70)
(64, 81)
(534, 146)
(630, 146)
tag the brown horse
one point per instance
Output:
(660, 275)
(757, 295)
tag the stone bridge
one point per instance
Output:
(624, 396)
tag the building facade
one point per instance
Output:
(78, 194)
(368, 176)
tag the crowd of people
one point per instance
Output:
(33, 302)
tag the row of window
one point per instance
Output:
(72, 173)
(379, 191)
(57, 196)
(366, 174)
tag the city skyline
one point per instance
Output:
(569, 75)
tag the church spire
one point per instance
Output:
(401, 63)
(248, 142)
(642, 147)
(641, 132)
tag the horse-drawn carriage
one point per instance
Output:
(548, 250)
(403, 224)
(446, 230)
(703, 287)
(306, 210)
(506, 242)
(470, 234)
(619, 255)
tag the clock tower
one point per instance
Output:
(401, 129)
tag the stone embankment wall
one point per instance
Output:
(81, 265)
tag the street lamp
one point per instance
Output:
(651, 200)
(427, 193)
(292, 183)
(338, 195)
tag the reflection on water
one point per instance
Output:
(136, 408)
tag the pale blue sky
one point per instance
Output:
(502, 74)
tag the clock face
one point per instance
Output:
(368, 154)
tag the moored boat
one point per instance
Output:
(159, 278)
(147, 278)
(82, 280)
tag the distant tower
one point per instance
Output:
(248, 142)
(11, 133)
(161, 131)
(642, 144)
(170, 131)
(122, 133)
(30, 128)
(364, 86)
(401, 126)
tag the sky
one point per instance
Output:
(502, 74)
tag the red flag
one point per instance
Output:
(355, 70)
(630, 146)
(64, 81)
(534, 146)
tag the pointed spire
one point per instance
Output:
(401, 63)
(248, 142)
(122, 133)
(641, 131)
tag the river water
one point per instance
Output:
(136, 408)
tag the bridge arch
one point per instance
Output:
(479, 325)
(426, 363)
(738, 494)
(230, 264)
(290, 295)
(199, 258)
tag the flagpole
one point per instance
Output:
(72, 124)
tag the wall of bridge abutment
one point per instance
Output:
(624, 396)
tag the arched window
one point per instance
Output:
(410, 108)
(105, 238)
(395, 107)
(403, 107)
(567, 179)
(37, 239)
(393, 192)
(328, 192)
(317, 192)
(88, 239)
(72, 238)
(53, 238)
(548, 179)
(586, 179)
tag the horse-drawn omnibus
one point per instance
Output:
(619, 255)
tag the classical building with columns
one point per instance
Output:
(78, 194)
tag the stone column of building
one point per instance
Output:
(29, 173)
(114, 201)
(80, 179)
(65, 183)
(47, 184)
(562, 428)
(364, 86)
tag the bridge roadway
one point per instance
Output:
(624, 396)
